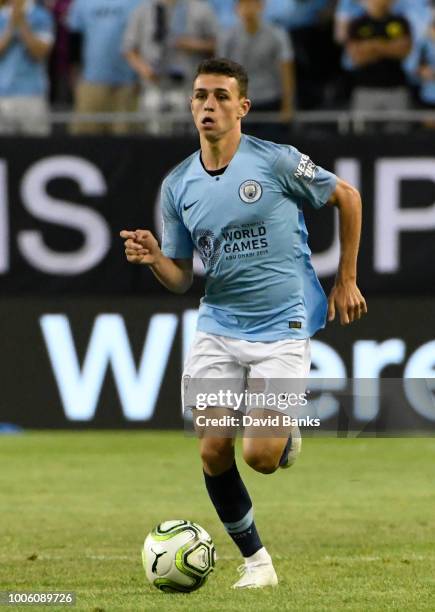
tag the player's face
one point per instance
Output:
(216, 105)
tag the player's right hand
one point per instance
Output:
(141, 247)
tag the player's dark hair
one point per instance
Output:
(227, 68)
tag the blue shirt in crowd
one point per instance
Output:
(225, 12)
(20, 74)
(285, 13)
(102, 25)
(248, 226)
(427, 56)
(294, 14)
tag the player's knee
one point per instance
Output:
(217, 456)
(261, 461)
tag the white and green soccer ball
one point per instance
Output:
(178, 556)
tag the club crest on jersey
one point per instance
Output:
(250, 192)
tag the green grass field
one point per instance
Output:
(351, 526)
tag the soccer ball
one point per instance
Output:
(178, 556)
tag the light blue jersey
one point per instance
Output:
(248, 227)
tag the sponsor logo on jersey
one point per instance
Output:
(246, 240)
(187, 206)
(306, 169)
(250, 192)
(208, 246)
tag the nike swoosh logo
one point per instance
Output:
(186, 207)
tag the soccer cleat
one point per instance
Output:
(256, 576)
(292, 449)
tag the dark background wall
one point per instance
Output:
(90, 341)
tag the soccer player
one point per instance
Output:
(239, 202)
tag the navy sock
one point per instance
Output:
(234, 507)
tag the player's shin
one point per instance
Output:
(234, 507)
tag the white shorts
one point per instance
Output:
(215, 361)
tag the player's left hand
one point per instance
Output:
(348, 300)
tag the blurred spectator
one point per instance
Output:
(345, 12)
(164, 42)
(107, 82)
(275, 11)
(317, 56)
(279, 12)
(225, 11)
(265, 52)
(377, 43)
(61, 78)
(426, 70)
(26, 37)
(417, 12)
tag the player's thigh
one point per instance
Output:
(276, 385)
(209, 372)
(264, 438)
(210, 368)
(279, 376)
(282, 359)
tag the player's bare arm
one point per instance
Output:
(345, 295)
(141, 247)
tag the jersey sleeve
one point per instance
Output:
(300, 177)
(176, 239)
